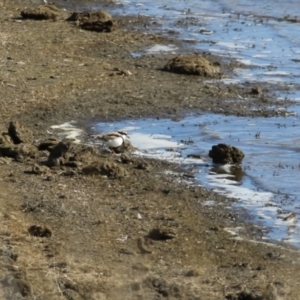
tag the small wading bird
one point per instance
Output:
(113, 139)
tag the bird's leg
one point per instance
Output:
(112, 151)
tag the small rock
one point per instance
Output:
(59, 155)
(140, 267)
(226, 154)
(19, 152)
(256, 91)
(48, 144)
(193, 65)
(61, 265)
(192, 273)
(109, 169)
(39, 170)
(20, 134)
(195, 156)
(42, 12)
(159, 234)
(94, 16)
(143, 165)
(99, 21)
(40, 231)
(126, 159)
(264, 292)
(99, 26)
(84, 155)
(73, 164)
(112, 170)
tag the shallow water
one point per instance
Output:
(264, 37)
(261, 35)
(269, 187)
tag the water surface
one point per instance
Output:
(264, 37)
(268, 186)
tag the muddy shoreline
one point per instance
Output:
(136, 234)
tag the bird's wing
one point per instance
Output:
(106, 136)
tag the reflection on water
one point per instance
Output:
(264, 37)
(235, 173)
(267, 182)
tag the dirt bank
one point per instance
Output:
(130, 231)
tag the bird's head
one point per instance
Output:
(124, 133)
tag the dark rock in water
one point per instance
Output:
(193, 65)
(195, 156)
(235, 172)
(42, 12)
(20, 134)
(226, 154)
(256, 91)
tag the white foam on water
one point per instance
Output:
(275, 73)
(225, 80)
(249, 62)
(259, 55)
(159, 48)
(271, 169)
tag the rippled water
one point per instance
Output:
(264, 37)
(269, 184)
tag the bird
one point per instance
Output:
(112, 139)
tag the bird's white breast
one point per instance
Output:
(114, 142)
